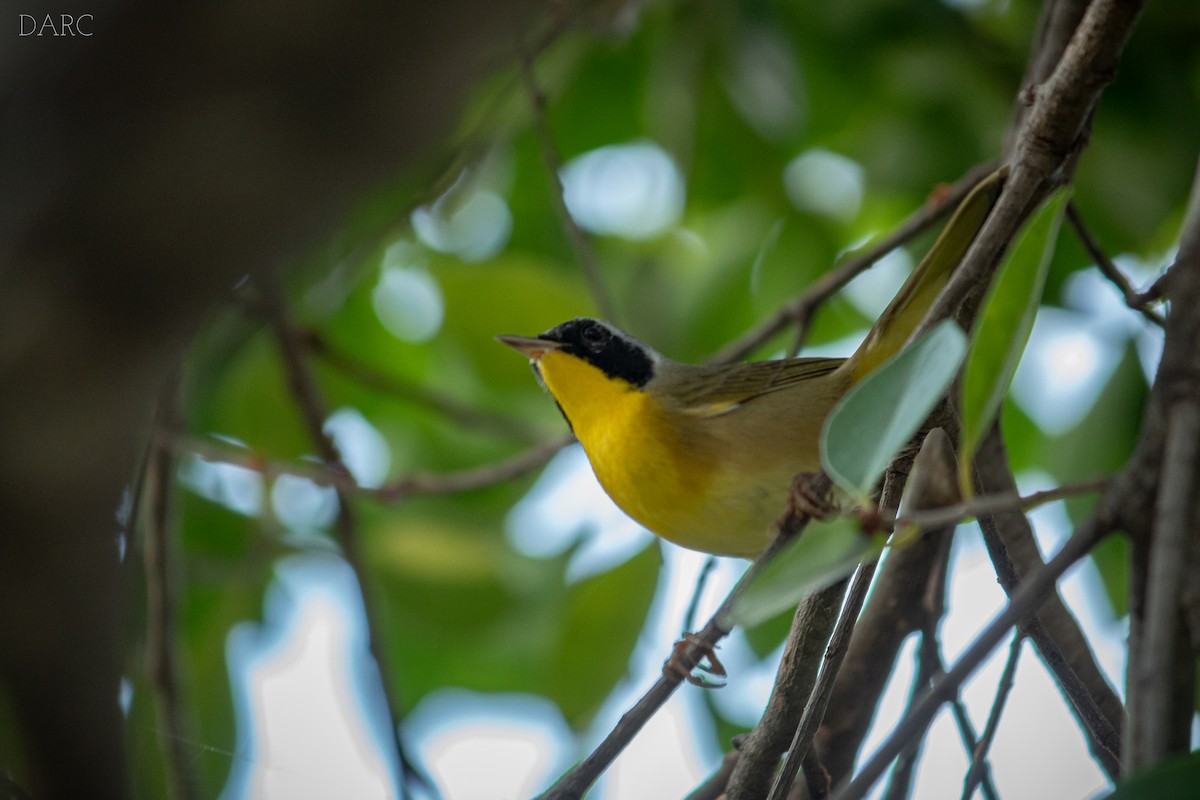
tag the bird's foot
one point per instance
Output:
(709, 665)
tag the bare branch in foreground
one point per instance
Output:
(1155, 729)
(797, 674)
(979, 758)
(1052, 628)
(908, 598)
(814, 711)
(1029, 595)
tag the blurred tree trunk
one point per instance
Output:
(148, 167)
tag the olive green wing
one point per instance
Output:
(712, 391)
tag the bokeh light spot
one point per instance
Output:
(630, 190)
(361, 445)
(302, 505)
(407, 299)
(474, 229)
(825, 183)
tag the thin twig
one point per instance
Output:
(899, 785)
(807, 641)
(978, 768)
(798, 311)
(993, 503)
(908, 597)
(471, 478)
(1029, 595)
(580, 242)
(312, 409)
(1052, 628)
(931, 650)
(408, 391)
(839, 642)
(689, 618)
(161, 658)
(1109, 269)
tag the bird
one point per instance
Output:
(705, 455)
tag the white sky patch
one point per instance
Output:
(485, 746)
(1065, 367)
(872, 290)
(1090, 291)
(302, 505)
(408, 302)
(237, 488)
(306, 693)
(567, 504)
(361, 446)
(630, 190)
(825, 183)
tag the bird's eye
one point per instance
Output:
(595, 337)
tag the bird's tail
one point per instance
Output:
(902, 316)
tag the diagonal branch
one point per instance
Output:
(1050, 138)
(1052, 628)
(799, 312)
(797, 676)
(575, 783)
(1109, 269)
(1031, 594)
(908, 598)
(415, 483)
(411, 392)
(978, 769)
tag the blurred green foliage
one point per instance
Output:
(914, 93)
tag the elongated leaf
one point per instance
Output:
(876, 418)
(825, 552)
(1005, 322)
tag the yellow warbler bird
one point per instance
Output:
(705, 456)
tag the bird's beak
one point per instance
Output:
(531, 346)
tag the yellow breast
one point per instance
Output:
(677, 480)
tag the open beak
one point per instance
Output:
(531, 346)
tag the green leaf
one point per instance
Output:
(876, 418)
(825, 552)
(1175, 779)
(602, 617)
(1004, 324)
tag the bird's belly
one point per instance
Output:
(699, 496)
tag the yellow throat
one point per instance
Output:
(632, 441)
